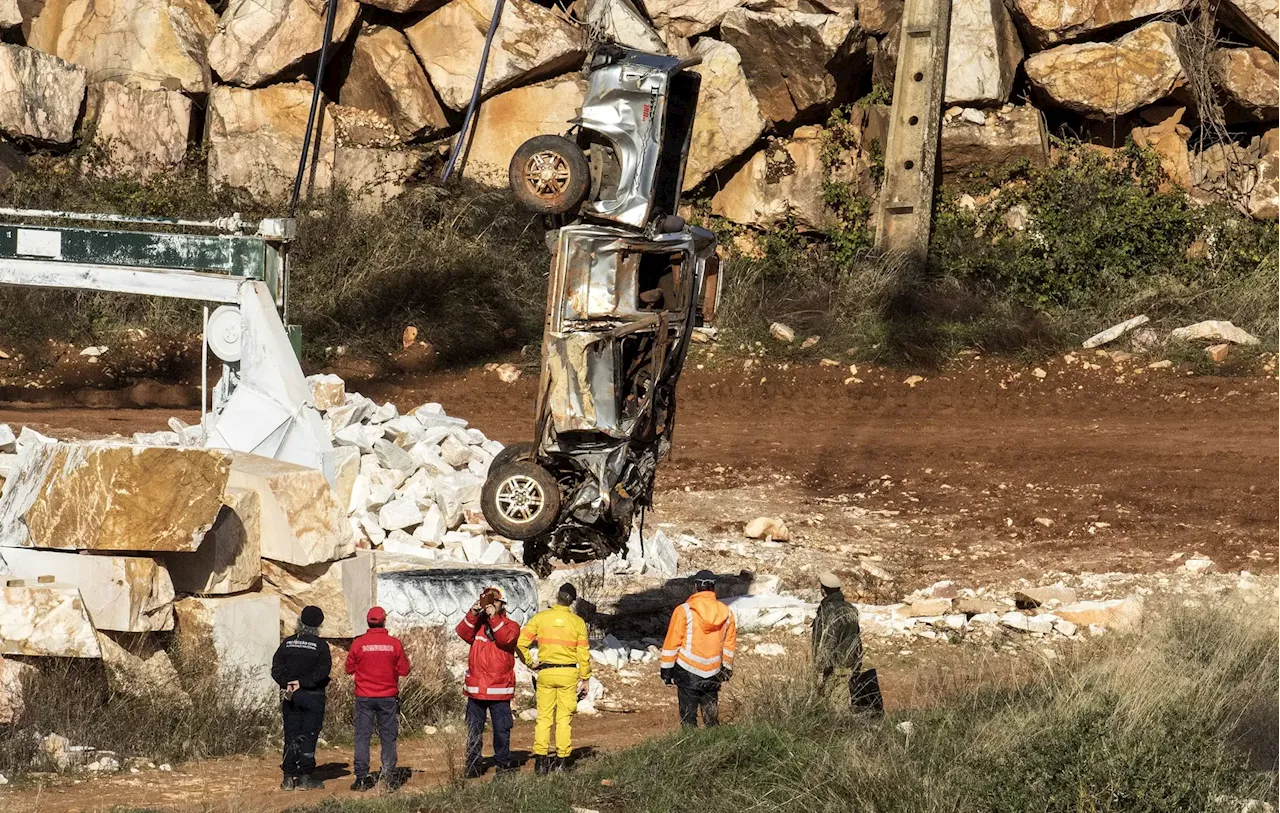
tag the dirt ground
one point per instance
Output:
(983, 473)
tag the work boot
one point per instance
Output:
(289, 783)
(363, 783)
(394, 780)
(474, 770)
(308, 783)
(541, 764)
(560, 765)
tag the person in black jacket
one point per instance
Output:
(301, 669)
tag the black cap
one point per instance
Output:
(312, 616)
(703, 576)
(567, 593)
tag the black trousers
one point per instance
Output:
(384, 714)
(702, 694)
(500, 712)
(303, 717)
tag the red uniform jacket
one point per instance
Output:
(491, 666)
(378, 662)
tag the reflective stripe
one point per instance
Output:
(500, 623)
(706, 673)
(699, 658)
(500, 691)
(560, 642)
(729, 653)
(669, 653)
(468, 623)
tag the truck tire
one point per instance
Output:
(520, 500)
(516, 451)
(550, 175)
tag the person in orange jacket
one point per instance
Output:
(697, 655)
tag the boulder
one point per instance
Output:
(1250, 77)
(235, 638)
(40, 95)
(149, 44)
(346, 467)
(45, 619)
(137, 666)
(983, 53)
(405, 6)
(884, 62)
(1257, 20)
(789, 57)
(13, 678)
(877, 17)
(1264, 198)
(385, 77)
(928, 608)
(974, 606)
(1107, 79)
(685, 18)
(509, 119)
(261, 40)
(1117, 614)
(374, 176)
(255, 137)
(622, 22)
(985, 138)
(135, 131)
(767, 528)
(1049, 22)
(121, 593)
(228, 560)
(10, 17)
(531, 43)
(785, 179)
(1168, 139)
(345, 590)
(108, 497)
(300, 519)
(729, 118)
(1033, 597)
(1214, 330)
(328, 391)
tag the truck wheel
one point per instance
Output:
(549, 174)
(520, 500)
(516, 451)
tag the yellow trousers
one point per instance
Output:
(557, 701)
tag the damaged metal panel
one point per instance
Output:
(581, 384)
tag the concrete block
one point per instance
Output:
(229, 558)
(345, 590)
(239, 634)
(121, 593)
(302, 522)
(45, 619)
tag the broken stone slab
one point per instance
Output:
(399, 513)
(767, 528)
(1257, 20)
(789, 57)
(1264, 198)
(1167, 138)
(766, 612)
(983, 53)
(328, 391)
(783, 180)
(622, 22)
(346, 467)
(121, 593)
(137, 666)
(40, 95)
(1030, 598)
(1213, 329)
(138, 131)
(374, 176)
(508, 119)
(729, 118)
(14, 675)
(301, 520)
(994, 138)
(974, 606)
(1049, 22)
(73, 495)
(928, 608)
(1116, 614)
(8, 441)
(687, 18)
(45, 619)
(1104, 80)
(257, 41)
(228, 560)
(344, 589)
(10, 15)
(235, 637)
(147, 44)
(418, 593)
(392, 456)
(1114, 332)
(531, 43)
(654, 556)
(254, 139)
(1250, 77)
(384, 76)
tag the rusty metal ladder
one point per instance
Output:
(905, 217)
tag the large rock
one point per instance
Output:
(371, 162)
(788, 57)
(983, 53)
(107, 497)
(1250, 77)
(507, 120)
(729, 118)
(1168, 139)
(137, 666)
(151, 44)
(345, 590)
(14, 676)
(1242, 176)
(620, 21)
(234, 637)
(255, 138)
(884, 63)
(1104, 80)
(405, 6)
(385, 77)
(228, 560)
(1257, 20)
(974, 139)
(121, 593)
(1264, 200)
(1050, 22)
(10, 17)
(45, 619)
(685, 18)
(531, 43)
(877, 17)
(1116, 614)
(785, 179)
(40, 95)
(135, 131)
(300, 519)
(261, 40)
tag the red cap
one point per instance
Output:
(376, 615)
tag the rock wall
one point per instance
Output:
(145, 79)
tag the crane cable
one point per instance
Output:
(315, 104)
(464, 135)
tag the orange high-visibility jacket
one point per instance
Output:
(702, 636)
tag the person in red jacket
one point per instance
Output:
(490, 679)
(377, 661)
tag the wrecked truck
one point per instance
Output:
(630, 281)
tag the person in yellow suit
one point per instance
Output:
(563, 665)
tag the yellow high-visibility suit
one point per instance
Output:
(563, 659)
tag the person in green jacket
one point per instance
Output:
(837, 639)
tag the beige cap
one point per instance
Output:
(830, 580)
